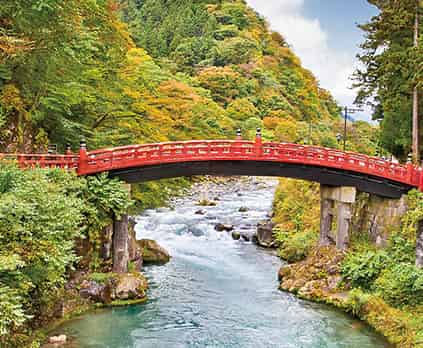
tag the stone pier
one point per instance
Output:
(120, 248)
(120, 245)
(336, 201)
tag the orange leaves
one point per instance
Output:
(11, 46)
(271, 122)
(223, 82)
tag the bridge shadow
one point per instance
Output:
(326, 176)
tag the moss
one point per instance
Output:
(101, 278)
(317, 278)
(121, 303)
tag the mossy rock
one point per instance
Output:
(129, 286)
(152, 252)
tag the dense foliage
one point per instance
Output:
(134, 71)
(392, 67)
(130, 71)
(185, 69)
(42, 213)
(390, 273)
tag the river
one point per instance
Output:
(217, 292)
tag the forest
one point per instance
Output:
(139, 71)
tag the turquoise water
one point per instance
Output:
(217, 292)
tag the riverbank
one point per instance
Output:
(88, 290)
(217, 291)
(379, 285)
(318, 279)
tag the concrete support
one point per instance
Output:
(120, 245)
(326, 220)
(342, 198)
(106, 242)
(343, 225)
(120, 241)
(419, 245)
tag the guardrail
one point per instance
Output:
(93, 162)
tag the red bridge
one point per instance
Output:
(145, 162)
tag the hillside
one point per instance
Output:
(189, 69)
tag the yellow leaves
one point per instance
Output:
(297, 205)
(211, 8)
(271, 122)
(10, 98)
(242, 109)
(179, 90)
(138, 56)
(11, 46)
(134, 94)
(287, 130)
(223, 82)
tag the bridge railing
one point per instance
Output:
(43, 160)
(198, 150)
(150, 154)
(331, 158)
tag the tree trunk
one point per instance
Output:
(416, 125)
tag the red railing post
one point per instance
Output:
(420, 172)
(410, 170)
(258, 144)
(238, 134)
(68, 150)
(21, 161)
(83, 158)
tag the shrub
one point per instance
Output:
(295, 247)
(362, 269)
(401, 285)
(42, 212)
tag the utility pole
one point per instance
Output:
(348, 111)
(416, 125)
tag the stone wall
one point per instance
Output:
(377, 216)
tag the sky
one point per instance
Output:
(324, 34)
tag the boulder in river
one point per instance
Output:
(129, 286)
(243, 209)
(152, 252)
(108, 287)
(265, 234)
(246, 237)
(236, 235)
(206, 203)
(223, 227)
(201, 212)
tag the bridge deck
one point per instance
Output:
(148, 155)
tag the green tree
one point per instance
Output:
(391, 65)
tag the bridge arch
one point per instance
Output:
(330, 167)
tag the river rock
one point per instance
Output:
(223, 227)
(152, 252)
(265, 234)
(94, 291)
(57, 340)
(129, 286)
(236, 235)
(201, 212)
(243, 209)
(206, 203)
(246, 237)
